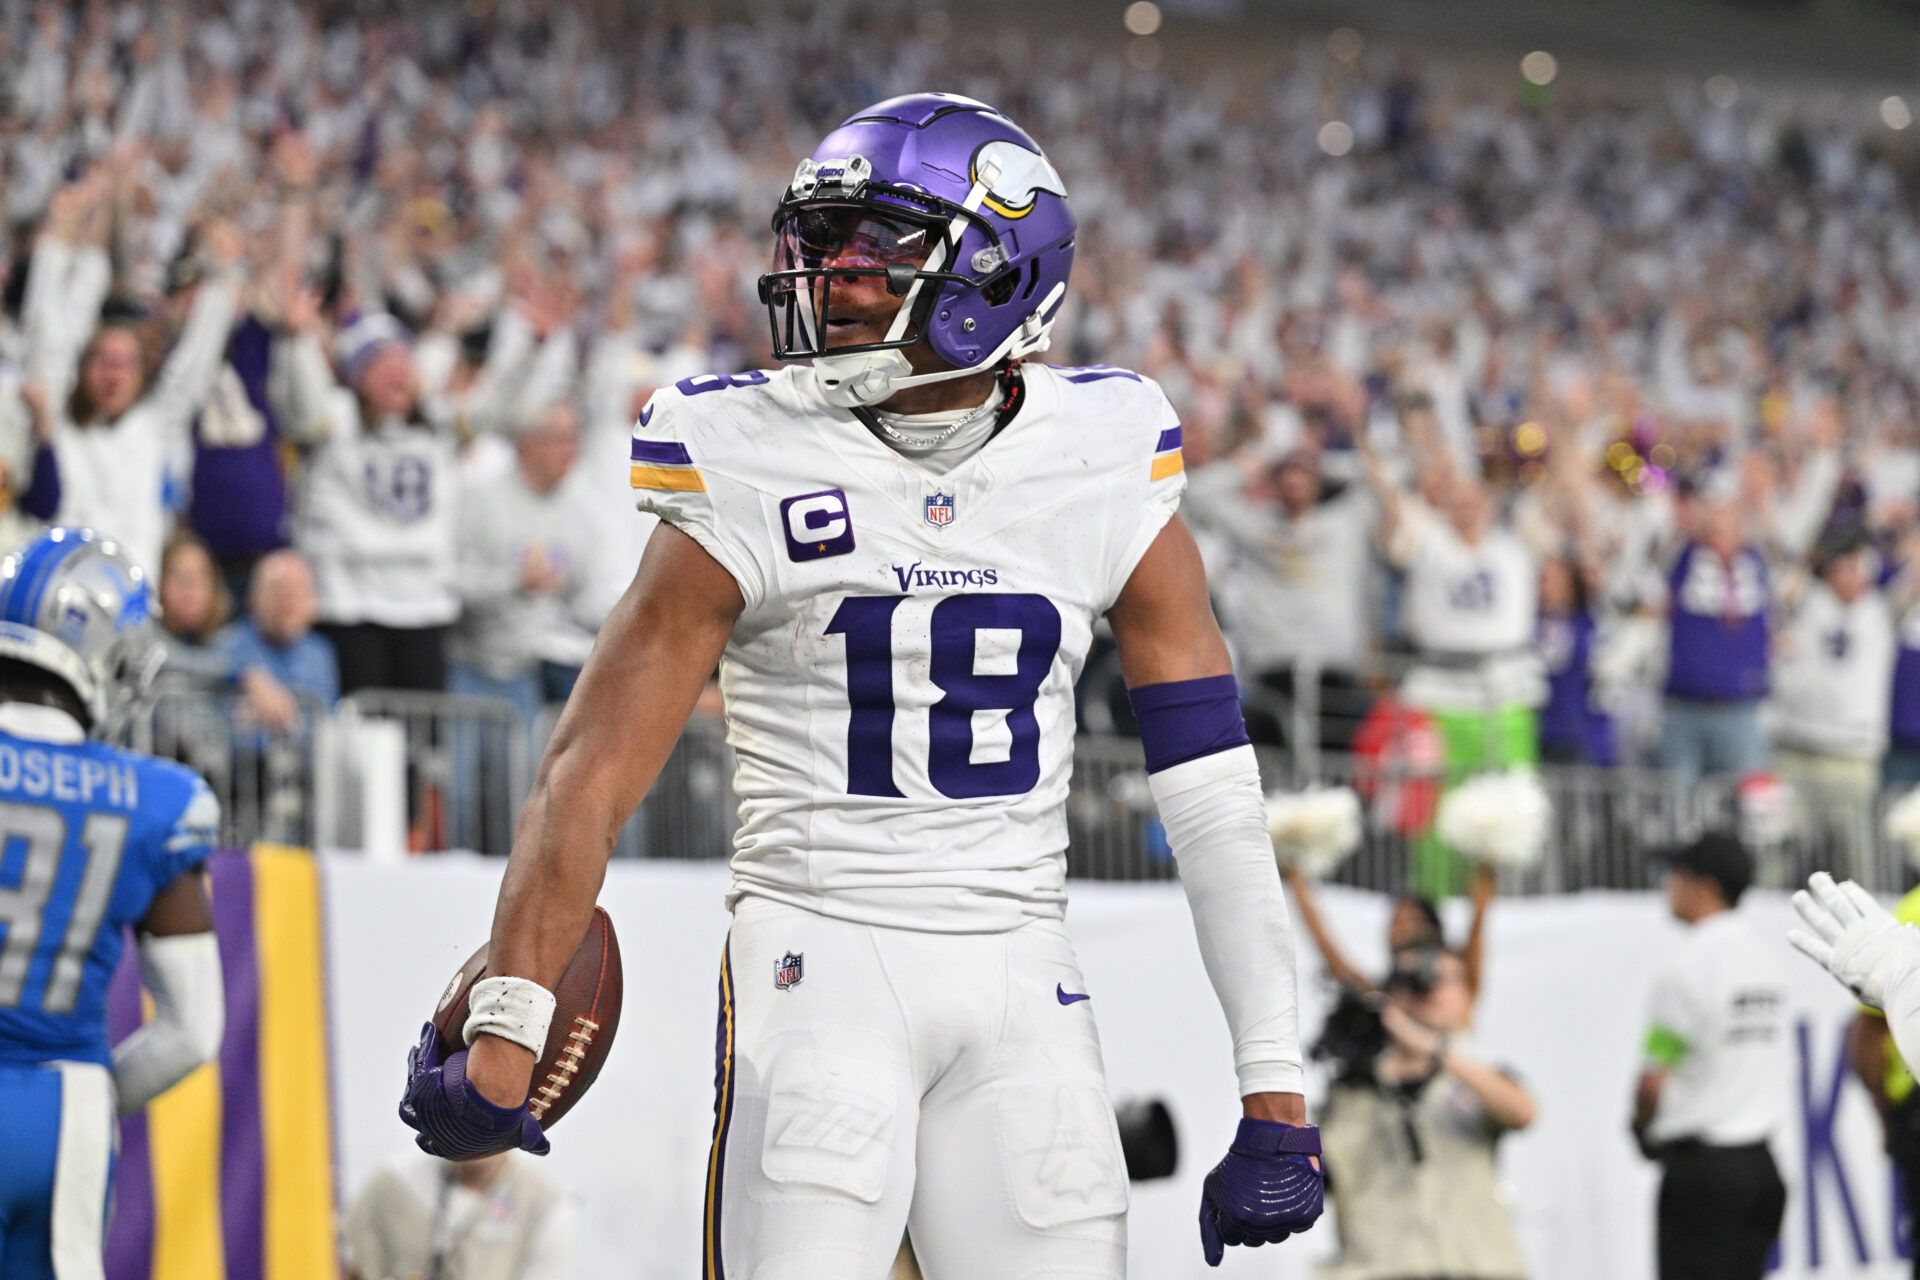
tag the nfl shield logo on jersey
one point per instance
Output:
(788, 970)
(939, 510)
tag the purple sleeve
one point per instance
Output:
(42, 496)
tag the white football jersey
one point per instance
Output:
(899, 687)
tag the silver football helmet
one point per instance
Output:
(74, 604)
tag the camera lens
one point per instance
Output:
(1147, 1139)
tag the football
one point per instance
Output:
(585, 1016)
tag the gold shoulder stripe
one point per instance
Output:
(682, 479)
(1168, 464)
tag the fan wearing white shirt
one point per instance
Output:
(1469, 606)
(120, 439)
(376, 502)
(500, 1218)
(1294, 586)
(1833, 677)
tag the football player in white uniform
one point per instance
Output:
(1873, 954)
(897, 555)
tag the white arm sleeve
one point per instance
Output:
(182, 973)
(55, 312)
(1799, 511)
(187, 378)
(302, 388)
(1216, 820)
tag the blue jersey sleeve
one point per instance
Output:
(183, 822)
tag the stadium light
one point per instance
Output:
(1336, 137)
(1345, 44)
(1143, 17)
(1894, 112)
(1539, 67)
(1722, 92)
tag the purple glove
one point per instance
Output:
(454, 1121)
(1264, 1191)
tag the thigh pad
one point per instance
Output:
(830, 1120)
(1060, 1147)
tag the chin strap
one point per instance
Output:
(870, 377)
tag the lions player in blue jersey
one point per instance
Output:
(92, 839)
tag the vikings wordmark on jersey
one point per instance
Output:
(900, 685)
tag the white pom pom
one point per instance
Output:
(1903, 825)
(1765, 810)
(1497, 818)
(1314, 830)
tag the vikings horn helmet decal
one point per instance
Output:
(1020, 178)
(961, 214)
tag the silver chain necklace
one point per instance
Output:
(928, 439)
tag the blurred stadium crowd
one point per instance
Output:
(1520, 426)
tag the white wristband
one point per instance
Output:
(513, 1009)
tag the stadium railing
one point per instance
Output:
(1606, 828)
(468, 765)
(264, 779)
(461, 767)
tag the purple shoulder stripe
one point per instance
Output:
(1169, 439)
(1095, 373)
(662, 453)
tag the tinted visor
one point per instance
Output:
(852, 236)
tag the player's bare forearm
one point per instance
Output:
(647, 669)
(651, 662)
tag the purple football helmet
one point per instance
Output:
(956, 208)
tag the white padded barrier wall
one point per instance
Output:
(1564, 1005)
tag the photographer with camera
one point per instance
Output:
(1411, 1128)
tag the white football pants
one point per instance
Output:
(940, 1083)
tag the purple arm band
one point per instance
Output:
(1183, 720)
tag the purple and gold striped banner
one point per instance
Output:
(229, 1175)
